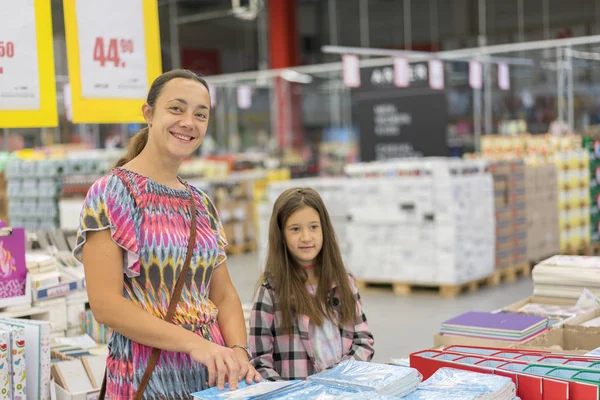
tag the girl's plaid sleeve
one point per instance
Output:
(261, 334)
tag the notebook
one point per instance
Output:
(18, 369)
(37, 356)
(5, 366)
(255, 391)
(506, 326)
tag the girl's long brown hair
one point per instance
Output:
(289, 279)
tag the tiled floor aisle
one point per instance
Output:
(400, 324)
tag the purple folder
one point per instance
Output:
(498, 322)
(13, 269)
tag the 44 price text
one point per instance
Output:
(109, 51)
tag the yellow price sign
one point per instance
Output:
(113, 50)
(27, 81)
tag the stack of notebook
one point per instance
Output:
(43, 269)
(389, 380)
(257, 391)
(512, 327)
(566, 276)
(369, 380)
(449, 383)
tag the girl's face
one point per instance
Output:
(304, 236)
(180, 117)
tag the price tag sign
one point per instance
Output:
(401, 72)
(113, 49)
(27, 82)
(475, 75)
(436, 74)
(19, 76)
(244, 97)
(351, 70)
(503, 77)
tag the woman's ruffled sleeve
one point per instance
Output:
(217, 227)
(110, 205)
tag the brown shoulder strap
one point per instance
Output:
(174, 299)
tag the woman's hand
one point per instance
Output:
(221, 362)
(247, 369)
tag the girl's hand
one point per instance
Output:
(247, 369)
(221, 362)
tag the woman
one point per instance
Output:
(133, 240)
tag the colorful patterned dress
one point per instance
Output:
(151, 223)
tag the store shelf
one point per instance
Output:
(40, 313)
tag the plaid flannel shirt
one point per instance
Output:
(278, 356)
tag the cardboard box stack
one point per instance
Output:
(592, 146)
(510, 209)
(541, 205)
(33, 189)
(572, 164)
(233, 199)
(426, 221)
(573, 199)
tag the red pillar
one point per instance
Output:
(284, 44)
(284, 52)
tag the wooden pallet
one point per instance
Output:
(579, 251)
(405, 289)
(241, 248)
(592, 249)
(509, 274)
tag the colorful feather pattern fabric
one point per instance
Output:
(151, 223)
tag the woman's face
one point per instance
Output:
(180, 117)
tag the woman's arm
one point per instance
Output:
(103, 264)
(231, 317)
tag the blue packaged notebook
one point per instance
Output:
(313, 390)
(449, 383)
(363, 376)
(255, 391)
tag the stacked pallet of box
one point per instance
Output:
(572, 164)
(334, 194)
(260, 198)
(541, 194)
(81, 170)
(592, 146)
(421, 222)
(33, 187)
(573, 199)
(509, 201)
(233, 198)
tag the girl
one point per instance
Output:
(136, 237)
(308, 315)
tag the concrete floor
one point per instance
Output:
(400, 325)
